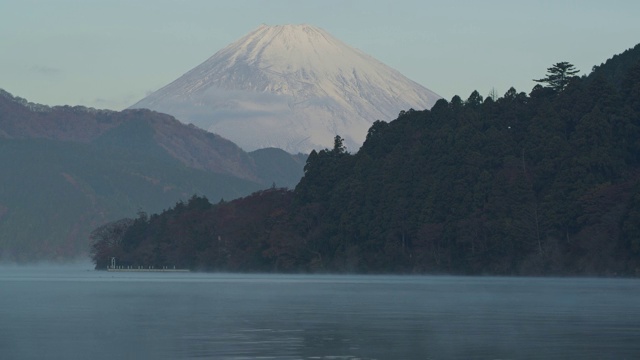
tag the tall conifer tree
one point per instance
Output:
(559, 75)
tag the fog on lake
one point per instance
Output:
(73, 312)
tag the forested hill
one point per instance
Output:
(65, 170)
(526, 184)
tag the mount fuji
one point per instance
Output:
(293, 87)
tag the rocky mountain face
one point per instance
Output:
(67, 170)
(292, 87)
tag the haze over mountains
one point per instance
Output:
(292, 87)
(69, 169)
(66, 170)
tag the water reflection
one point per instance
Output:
(72, 314)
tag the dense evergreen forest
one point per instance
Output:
(545, 183)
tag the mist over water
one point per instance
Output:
(74, 312)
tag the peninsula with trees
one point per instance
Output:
(544, 183)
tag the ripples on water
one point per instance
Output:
(77, 313)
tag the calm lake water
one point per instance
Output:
(77, 313)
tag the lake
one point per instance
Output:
(73, 312)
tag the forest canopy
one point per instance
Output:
(525, 184)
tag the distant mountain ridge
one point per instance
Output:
(289, 86)
(66, 170)
(190, 145)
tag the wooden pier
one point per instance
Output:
(147, 270)
(113, 267)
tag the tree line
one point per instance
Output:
(525, 184)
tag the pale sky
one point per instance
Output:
(111, 53)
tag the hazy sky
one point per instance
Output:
(110, 54)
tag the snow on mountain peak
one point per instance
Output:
(289, 86)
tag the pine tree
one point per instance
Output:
(559, 75)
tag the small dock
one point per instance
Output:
(147, 270)
(115, 268)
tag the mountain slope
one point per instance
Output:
(293, 87)
(66, 170)
(141, 130)
(54, 193)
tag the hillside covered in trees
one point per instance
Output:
(527, 184)
(66, 170)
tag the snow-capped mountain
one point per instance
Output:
(292, 87)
